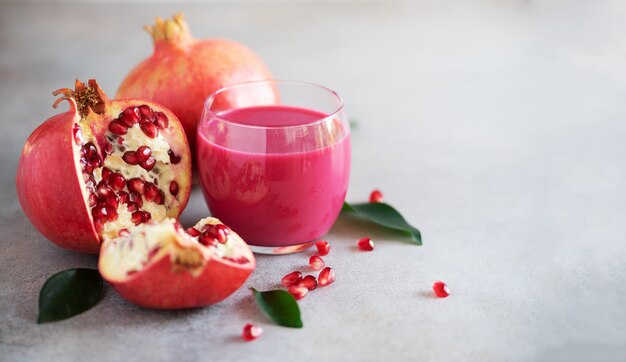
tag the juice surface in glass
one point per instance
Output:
(274, 183)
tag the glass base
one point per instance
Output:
(281, 250)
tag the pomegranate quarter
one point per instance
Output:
(160, 265)
(102, 167)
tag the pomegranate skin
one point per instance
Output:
(161, 286)
(50, 192)
(182, 72)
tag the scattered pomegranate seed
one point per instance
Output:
(309, 282)
(323, 247)
(251, 332)
(365, 244)
(143, 153)
(174, 188)
(316, 263)
(327, 276)
(298, 291)
(376, 196)
(130, 158)
(118, 128)
(291, 279)
(441, 289)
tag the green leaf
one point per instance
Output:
(280, 306)
(385, 215)
(68, 293)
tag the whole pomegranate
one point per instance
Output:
(102, 167)
(160, 265)
(182, 72)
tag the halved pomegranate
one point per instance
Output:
(101, 167)
(160, 265)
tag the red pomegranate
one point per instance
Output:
(159, 265)
(101, 167)
(182, 72)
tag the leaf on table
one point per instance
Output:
(385, 215)
(68, 293)
(280, 306)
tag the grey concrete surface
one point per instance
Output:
(497, 128)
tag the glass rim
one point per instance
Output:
(209, 101)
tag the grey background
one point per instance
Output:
(497, 127)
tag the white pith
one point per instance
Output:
(131, 252)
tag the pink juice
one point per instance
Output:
(276, 184)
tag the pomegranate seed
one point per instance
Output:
(206, 239)
(323, 247)
(145, 112)
(148, 164)
(149, 129)
(130, 116)
(136, 217)
(309, 282)
(441, 289)
(376, 196)
(91, 150)
(111, 213)
(327, 276)
(298, 291)
(146, 216)
(292, 278)
(160, 198)
(111, 201)
(136, 198)
(103, 190)
(251, 332)
(105, 174)
(173, 158)
(143, 153)
(174, 188)
(193, 232)
(93, 200)
(365, 244)
(108, 148)
(118, 128)
(124, 197)
(316, 263)
(222, 231)
(137, 185)
(151, 191)
(160, 120)
(78, 135)
(130, 158)
(117, 181)
(132, 207)
(123, 232)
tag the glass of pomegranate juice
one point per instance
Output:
(274, 161)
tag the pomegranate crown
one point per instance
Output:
(174, 30)
(85, 97)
